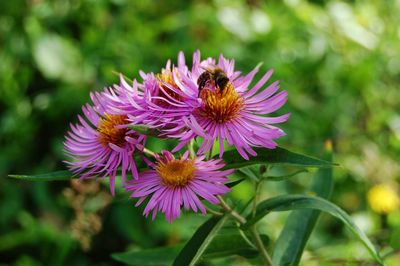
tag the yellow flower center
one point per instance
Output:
(108, 131)
(166, 76)
(221, 105)
(176, 173)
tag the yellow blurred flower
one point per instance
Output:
(383, 199)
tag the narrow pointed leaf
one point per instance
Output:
(67, 175)
(248, 173)
(195, 247)
(142, 129)
(227, 243)
(53, 176)
(231, 242)
(273, 156)
(300, 223)
(296, 202)
(148, 257)
(286, 177)
(234, 183)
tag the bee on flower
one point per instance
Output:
(211, 101)
(219, 105)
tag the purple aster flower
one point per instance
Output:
(173, 183)
(160, 101)
(99, 144)
(229, 109)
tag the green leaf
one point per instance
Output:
(228, 246)
(195, 247)
(226, 243)
(248, 172)
(234, 183)
(53, 176)
(66, 175)
(143, 129)
(285, 177)
(300, 223)
(232, 242)
(295, 202)
(149, 257)
(273, 156)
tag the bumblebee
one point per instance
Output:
(217, 75)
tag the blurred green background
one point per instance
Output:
(339, 60)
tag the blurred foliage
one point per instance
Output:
(339, 60)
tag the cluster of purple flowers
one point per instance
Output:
(211, 102)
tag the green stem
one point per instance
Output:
(246, 239)
(256, 197)
(246, 205)
(232, 212)
(216, 213)
(256, 236)
(240, 219)
(263, 170)
(260, 246)
(258, 242)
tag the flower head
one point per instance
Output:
(160, 101)
(228, 109)
(101, 142)
(383, 199)
(173, 183)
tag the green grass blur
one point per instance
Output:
(339, 60)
